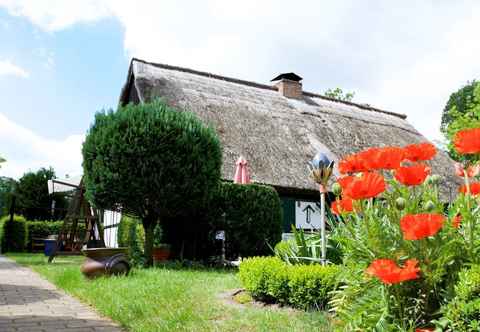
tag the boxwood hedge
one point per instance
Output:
(252, 218)
(269, 279)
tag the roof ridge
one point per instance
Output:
(263, 86)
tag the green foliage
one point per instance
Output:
(158, 236)
(155, 161)
(253, 218)
(462, 111)
(42, 229)
(303, 286)
(359, 303)
(338, 94)
(131, 234)
(7, 188)
(375, 233)
(15, 233)
(462, 314)
(306, 249)
(33, 200)
(2, 160)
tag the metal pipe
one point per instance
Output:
(322, 228)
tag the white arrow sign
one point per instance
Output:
(307, 215)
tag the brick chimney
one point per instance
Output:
(289, 85)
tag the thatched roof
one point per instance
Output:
(277, 135)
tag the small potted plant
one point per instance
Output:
(161, 251)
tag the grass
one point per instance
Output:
(171, 299)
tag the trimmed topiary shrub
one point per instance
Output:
(253, 218)
(15, 233)
(309, 285)
(269, 279)
(257, 274)
(155, 161)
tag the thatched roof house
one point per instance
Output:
(278, 128)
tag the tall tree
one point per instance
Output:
(462, 111)
(33, 199)
(7, 187)
(338, 93)
(153, 161)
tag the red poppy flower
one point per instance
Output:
(369, 158)
(366, 186)
(474, 188)
(412, 175)
(428, 329)
(345, 181)
(422, 151)
(467, 141)
(470, 172)
(351, 164)
(457, 220)
(389, 157)
(410, 270)
(389, 273)
(342, 206)
(422, 225)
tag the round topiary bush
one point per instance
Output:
(153, 161)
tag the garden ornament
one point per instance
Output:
(320, 170)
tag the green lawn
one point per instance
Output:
(170, 299)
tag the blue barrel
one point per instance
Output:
(50, 246)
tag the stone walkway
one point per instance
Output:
(30, 303)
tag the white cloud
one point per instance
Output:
(405, 57)
(24, 150)
(54, 15)
(8, 68)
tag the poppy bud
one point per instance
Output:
(400, 203)
(429, 206)
(336, 189)
(434, 179)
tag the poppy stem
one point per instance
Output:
(471, 220)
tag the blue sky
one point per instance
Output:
(61, 61)
(72, 74)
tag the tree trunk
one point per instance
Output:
(148, 226)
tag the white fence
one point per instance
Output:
(111, 220)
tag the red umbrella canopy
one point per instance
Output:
(241, 172)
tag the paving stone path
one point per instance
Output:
(29, 303)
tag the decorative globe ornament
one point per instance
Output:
(321, 169)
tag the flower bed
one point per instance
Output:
(409, 261)
(403, 251)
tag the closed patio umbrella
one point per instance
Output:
(241, 172)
